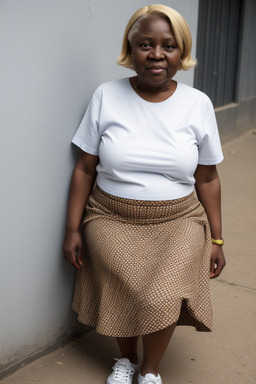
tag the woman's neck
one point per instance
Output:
(156, 93)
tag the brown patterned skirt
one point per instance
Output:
(146, 265)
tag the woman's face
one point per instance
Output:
(155, 54)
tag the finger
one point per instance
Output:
(219, 269)
(212, 268)
(71, 259)
(74, 262)
(79, 256)
(65, 253)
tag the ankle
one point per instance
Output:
(133, 358)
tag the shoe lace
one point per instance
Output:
(122, 371)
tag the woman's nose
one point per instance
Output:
(157, 53)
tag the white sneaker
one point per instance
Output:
(149, 378)
(123, 372)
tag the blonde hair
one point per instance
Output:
(179, 27)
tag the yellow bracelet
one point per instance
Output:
(218, 242)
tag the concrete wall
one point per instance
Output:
(53, 55)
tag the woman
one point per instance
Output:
(149, 246)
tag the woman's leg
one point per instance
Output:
(128, 347)
(154, 346)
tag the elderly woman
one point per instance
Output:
(145, 247)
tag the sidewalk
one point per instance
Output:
(225, 356)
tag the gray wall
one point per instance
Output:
(239, 117)
(53, 55)
(247, 68)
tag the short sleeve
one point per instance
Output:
(87, 136)
(210, 151)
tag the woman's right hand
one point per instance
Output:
(72, 249)
(82, 182)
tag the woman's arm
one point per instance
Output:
(209, 194)
(82, 182)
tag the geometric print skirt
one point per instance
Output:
(146, 265)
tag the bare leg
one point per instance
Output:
(154, 346)
(128, 347)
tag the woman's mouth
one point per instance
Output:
(156, 69)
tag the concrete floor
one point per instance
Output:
(225, 356)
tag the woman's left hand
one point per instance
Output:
(218, 261)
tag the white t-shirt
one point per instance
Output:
(149, 151)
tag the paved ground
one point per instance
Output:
(228, 355)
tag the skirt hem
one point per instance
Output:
(199, 327)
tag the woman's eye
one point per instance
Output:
(145, 45)
(170, 46)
